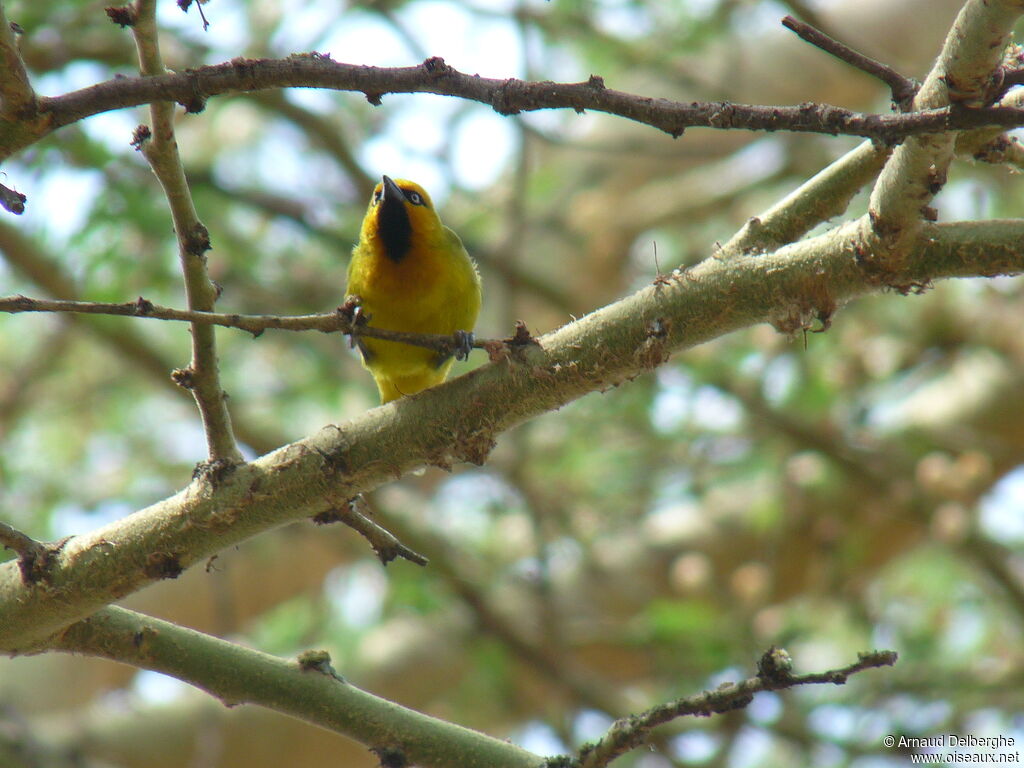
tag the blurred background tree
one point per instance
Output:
(862, 487)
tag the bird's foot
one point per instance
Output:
(464, 341)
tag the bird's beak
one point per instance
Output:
(393, 223)
(391, 190)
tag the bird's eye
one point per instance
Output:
(377, 195)
(415, 198)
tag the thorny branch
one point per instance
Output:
(774, 673)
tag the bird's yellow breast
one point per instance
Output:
(431, 287)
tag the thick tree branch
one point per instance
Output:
(160, 148)
(308, 690)
(963, 75)
(773, 675)
(458, 421)
(506, 96)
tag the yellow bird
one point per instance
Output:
(411, 273)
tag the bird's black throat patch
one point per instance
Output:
(394, 227)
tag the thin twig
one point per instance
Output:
(773, 675)
(806, 11)
(160, 148)
(385, 544)
(329, 322)
(903, 88)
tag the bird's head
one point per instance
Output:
(400, 215)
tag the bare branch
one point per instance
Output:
(160, 148)
(828, 193)
(903, 88)
(773, 675)
(507, 96)
(313, 691)
(329, 322)
(385, 544)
